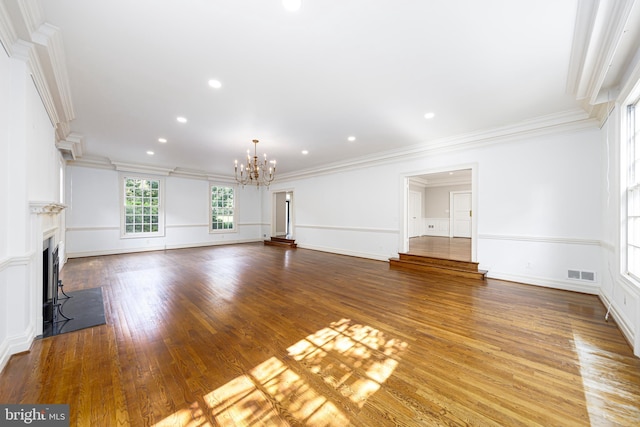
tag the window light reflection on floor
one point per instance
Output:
(353, 359)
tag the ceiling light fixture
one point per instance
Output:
(429, 116)
(151, 153)
(292, 5)
(162, 140)
(215, 84)
(305, 152)
(351, 138)
(258, 172)
(181, 119)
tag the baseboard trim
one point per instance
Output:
(547, 283)
(15, 345)
(158, 248)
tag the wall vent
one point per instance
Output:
(588, 276)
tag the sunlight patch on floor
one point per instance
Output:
(353, 359)
(600, 374)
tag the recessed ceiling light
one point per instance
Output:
(163, 140)
(181, 119)
(352, 138)
(429, 116)
(215, 84)
(151, 153)
(292, 5)
(305, 152)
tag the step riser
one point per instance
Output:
(400, 265)
(440, 262)
(282, 240)
(281, 244)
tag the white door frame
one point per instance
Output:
(274, 211)
(403, 235)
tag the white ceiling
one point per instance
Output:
(305, 80)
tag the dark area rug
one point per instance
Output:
(84, 308)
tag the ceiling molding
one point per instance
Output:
(567, 121)
(7, 33)
(137, 168)
(599, 30)
(32, 14)
(91, 162)
(50, 37)
(26, 37)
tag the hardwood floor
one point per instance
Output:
(253, 335)
(457, 248)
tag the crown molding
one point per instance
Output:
(91, 162)
(598, 35)
(138, 168)
(566, 121)
(7, 33)
(25, 36)
(50, 37)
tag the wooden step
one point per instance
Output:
(435, 265)
(281, 241)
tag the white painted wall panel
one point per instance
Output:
(5, 80)
(30, 172)
(547, 186)
(93, 217)
(43, 171)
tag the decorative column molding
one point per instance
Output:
(46, 208)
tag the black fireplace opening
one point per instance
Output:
(50, 268)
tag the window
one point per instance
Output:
(223, 209)
(142, 214)
(633, 191)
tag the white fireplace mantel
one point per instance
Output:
(46, 208)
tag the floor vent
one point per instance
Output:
(588, 276)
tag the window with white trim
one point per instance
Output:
(222, 209)
(142, 207)
(633, 191)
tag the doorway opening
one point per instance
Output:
(439, 215)
(283, 218)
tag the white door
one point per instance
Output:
(415, 213)
(461, 211)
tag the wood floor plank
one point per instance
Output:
(248, 335)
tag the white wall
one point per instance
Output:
(93, 215)
(30, 172)
(538, 215)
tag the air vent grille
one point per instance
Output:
(588, 276)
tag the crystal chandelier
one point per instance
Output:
(258, 172)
